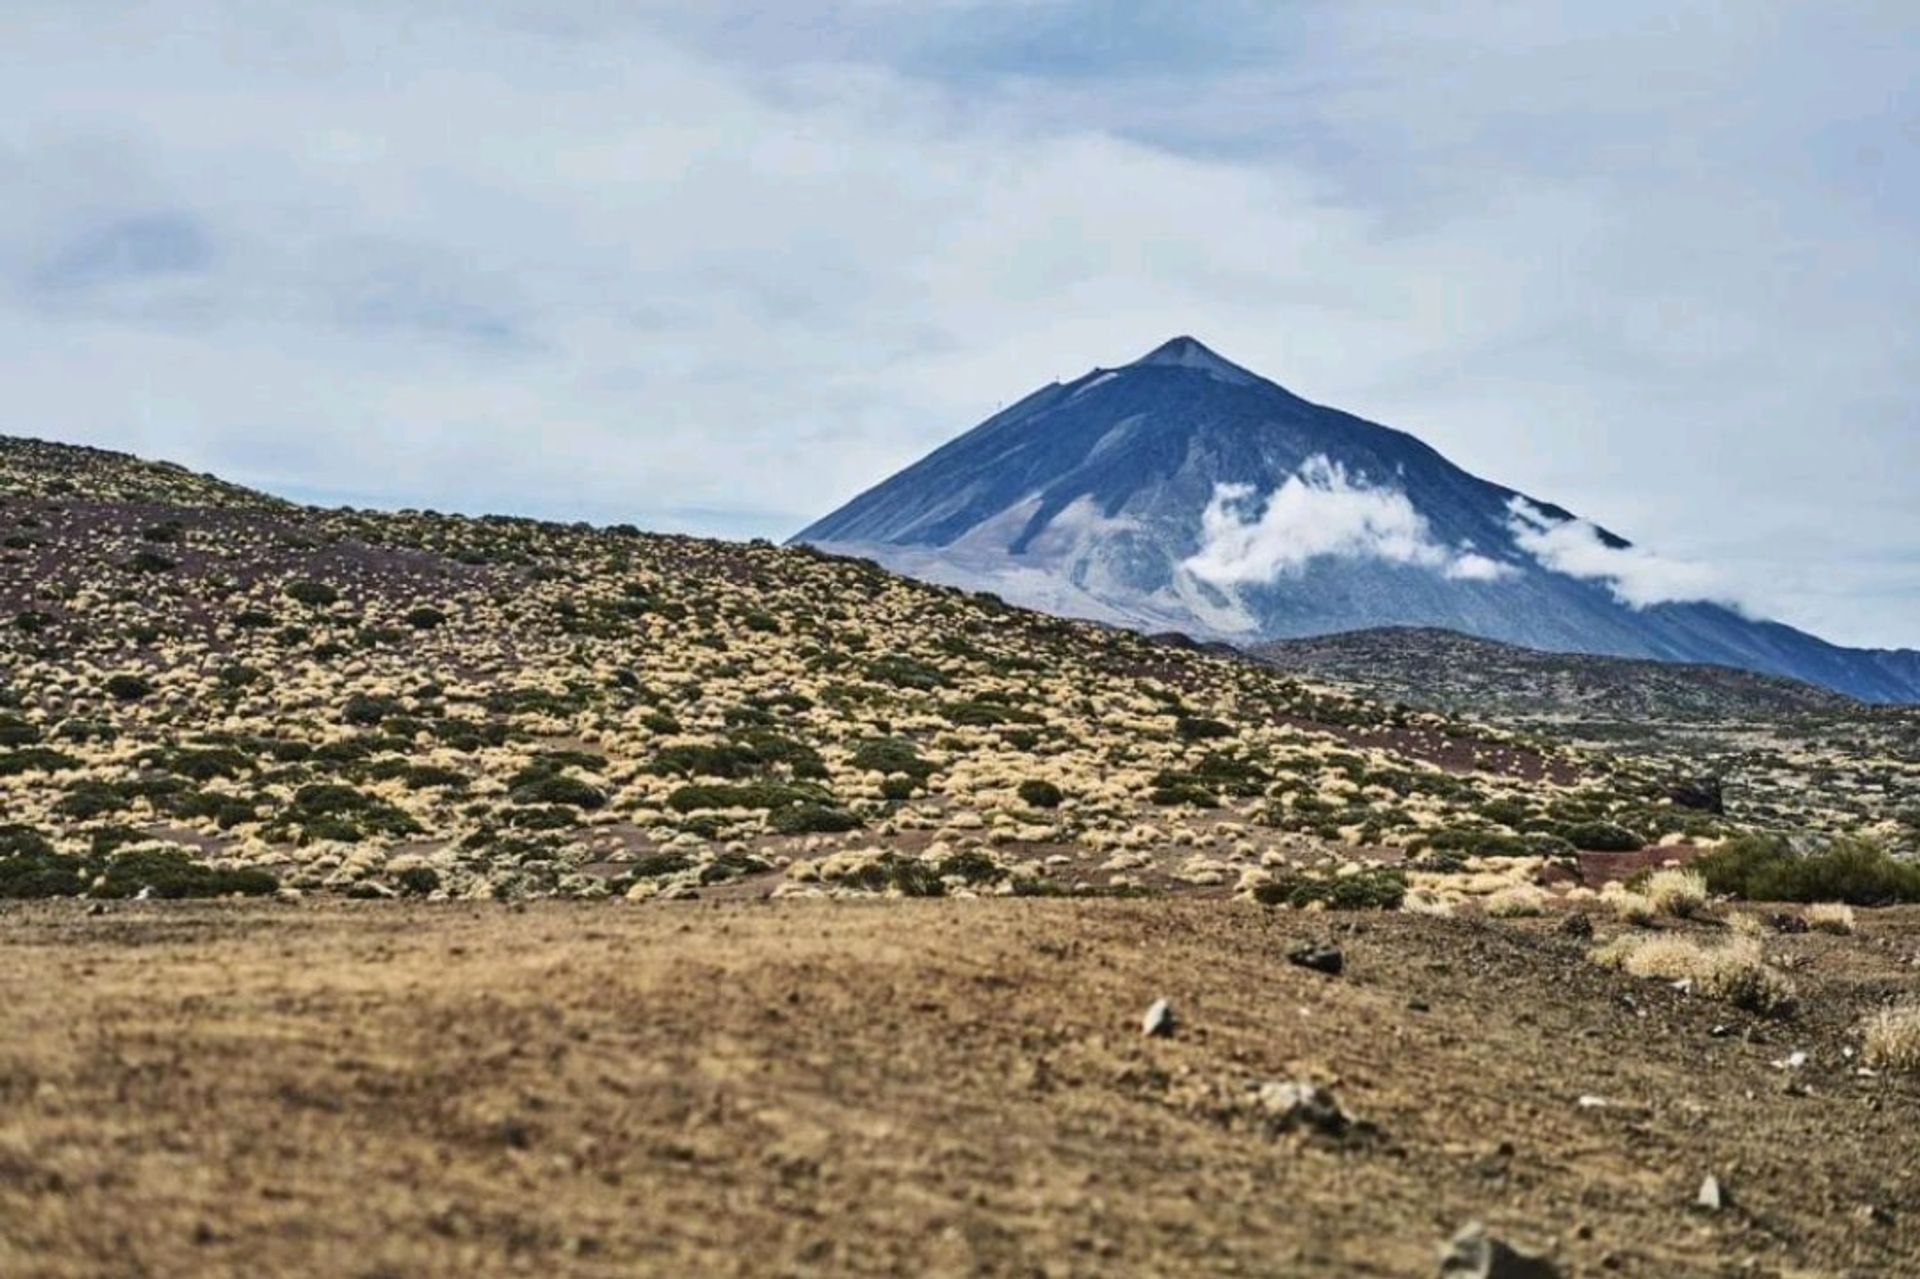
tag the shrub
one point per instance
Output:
(806, 819)
(1892, 1040)
(981, 713)
(151, 562)
(425, 618)
(766, 795)
(1036, 793)
(1170, 793)
(170, 873)
(418, 881)
(558, 788)
(1370, 888)
(891, 873)
(35, 759)
(891, 755)
(971, 866)
(29, 867)
(331, 810)
(128, 688)
(1603, 837)
(312, 594)
(1192, 728)
(367, 709)
(1765, 868)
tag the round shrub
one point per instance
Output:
(1036, 793)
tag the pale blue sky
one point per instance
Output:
(718, 266)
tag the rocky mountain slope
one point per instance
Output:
(1183, 492)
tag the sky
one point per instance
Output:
(716, 267)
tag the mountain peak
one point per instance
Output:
(1185, 352)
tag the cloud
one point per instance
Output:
(1637, 577)
(1320, 512)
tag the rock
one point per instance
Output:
(1319, 957)
(1158, 1021)
(1475, 1254)
(1295, 1104)
(1712, 1196)
(1787, 922)
(1576, 925)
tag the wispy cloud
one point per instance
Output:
(1321, 512)
(1636, 576)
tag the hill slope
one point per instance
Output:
(1448, 670)
(383, 702)
(1183, 492)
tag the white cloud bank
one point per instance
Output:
(1637, 577)
(1322, 512)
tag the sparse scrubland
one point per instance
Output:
(597, 902)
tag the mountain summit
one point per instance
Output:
(1185, 492)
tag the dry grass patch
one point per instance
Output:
(1520, 902)
(1892, 1039)
(1680, 893)
(1830, 917)
(1736, 971)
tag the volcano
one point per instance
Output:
(1185, 492)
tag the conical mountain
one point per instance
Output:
(1185, 492)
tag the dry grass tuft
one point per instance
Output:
(1893, 1040)
(1830, 917)
(1519, 902)
(1680, 893)
(1628, 906)
(1736, 972)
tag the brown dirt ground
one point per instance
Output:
(949, 1087)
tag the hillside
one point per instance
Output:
(1470, 675)
(414, 703)
(1183, 492)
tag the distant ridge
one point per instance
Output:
(1446, 670)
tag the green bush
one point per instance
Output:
(1036, 793)
(128, 688)
(170, 873)
(808, 819)
(1192, 728)
(1603, 837)
(425, 618)
(903, 875)
(1374, 888)
(891, 755)
(559, 788)
(312, 594)
(29, 867)
(1765, 868)
(35, 759)
(766, 795)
